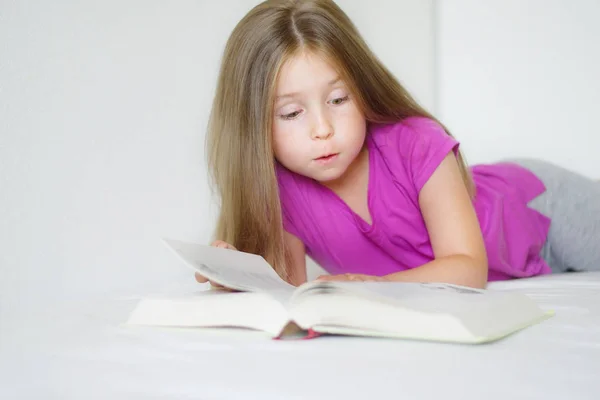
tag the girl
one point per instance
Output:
(315, 148)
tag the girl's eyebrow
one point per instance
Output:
(293, 94)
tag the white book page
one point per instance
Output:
(432, 297)
(212, 309)
(423, 307)
(421, 296)
(232, 269)
(440, 297)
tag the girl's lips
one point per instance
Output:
(327, 159)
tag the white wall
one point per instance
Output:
(520, 78)
(103, 106)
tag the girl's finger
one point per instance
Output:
(223, 245)
(200, 278)
(324, 278)
(333, 278)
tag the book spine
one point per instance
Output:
(310, 334)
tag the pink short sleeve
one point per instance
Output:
(424, 144)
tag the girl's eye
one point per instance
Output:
(290, 115)
(341, 100)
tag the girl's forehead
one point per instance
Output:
(306, 69)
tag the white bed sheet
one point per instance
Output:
(78, 350)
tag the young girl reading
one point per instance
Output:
(315, 148)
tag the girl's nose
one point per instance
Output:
(323, 128)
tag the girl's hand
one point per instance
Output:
(352, 278)
(200, 278)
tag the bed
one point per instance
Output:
(80, 350)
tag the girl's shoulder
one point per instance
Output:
(287, 177)
(407, 131)
(412, 148)
(293, 186)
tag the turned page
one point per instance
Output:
(232, 269)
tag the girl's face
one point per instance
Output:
(318, 130)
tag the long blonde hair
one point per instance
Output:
(239, 148)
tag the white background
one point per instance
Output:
(102, 113)
(520, 78)
(103, 106)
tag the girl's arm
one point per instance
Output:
(297, 271)
(454, 231)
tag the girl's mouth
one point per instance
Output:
(327, 158)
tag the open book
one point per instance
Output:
(263, 301)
